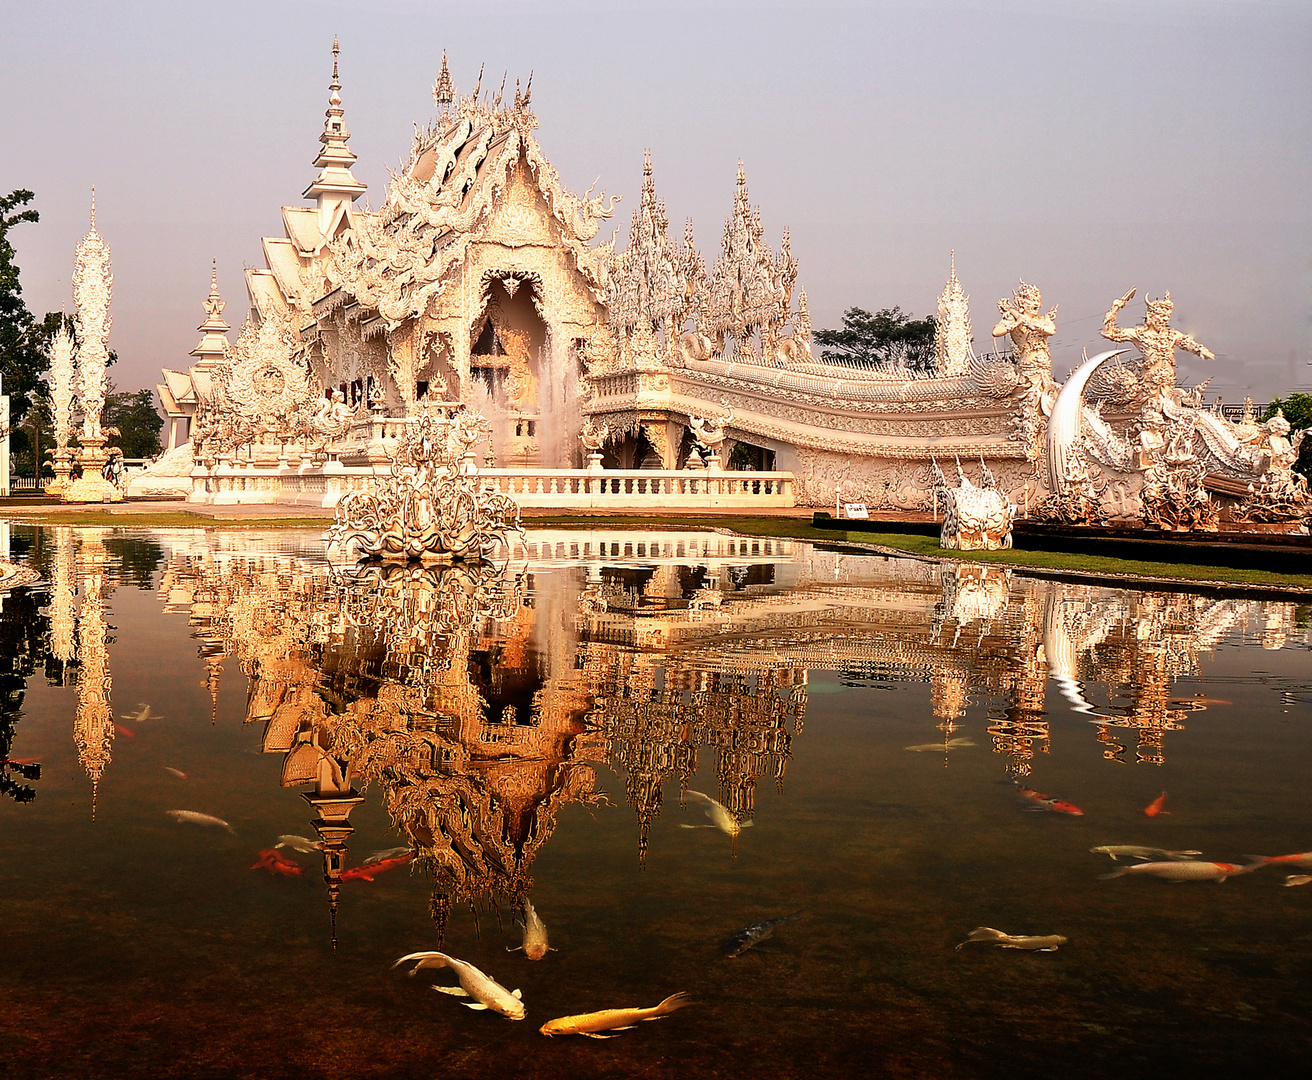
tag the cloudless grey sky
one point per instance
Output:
(1086, 147)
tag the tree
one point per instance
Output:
(889, 338)
(22, 359)
(1297, 409)
(138, 422)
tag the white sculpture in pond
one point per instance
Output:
(433, 505)
(974, 518)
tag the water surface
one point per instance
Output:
(532, 732)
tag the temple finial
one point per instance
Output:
(93, 207)
(334, 185)
(444, 90)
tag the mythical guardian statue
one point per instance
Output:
(974, 518)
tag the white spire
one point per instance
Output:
(334, 185)
(953, 336)
(214, 344)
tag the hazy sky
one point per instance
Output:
(1086, 147)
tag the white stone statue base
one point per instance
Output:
(92, 489)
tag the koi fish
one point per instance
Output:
(720, 817)
(194, 817)
(1047, 802)
(535, 935)
(757, 931)
(1182, 871)
(1297, 879)
(1155, 807)
(125, 731)
(929, 747)
(274, 863)
(1302, 858)
(486, 991)
(378, 856)
(1132, 851)
(369, 871)
(590, 1024)
(176, 772)
(20, 761)
(302, 844)
(1033, 942)
(142, 714)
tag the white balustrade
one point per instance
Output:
(323, 485)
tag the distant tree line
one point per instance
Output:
(890, 338)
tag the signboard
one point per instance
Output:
(856, 510)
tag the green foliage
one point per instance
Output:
(138, 423)
(1298, 411)
(21, 358)
(888, 338)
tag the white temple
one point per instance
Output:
(479, 284)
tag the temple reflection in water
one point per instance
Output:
(479, 702)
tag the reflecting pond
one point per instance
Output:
(919, 750)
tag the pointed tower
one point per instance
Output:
(214, 341)
(952, 338)
(335, 187)
(444, 90)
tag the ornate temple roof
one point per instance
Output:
(445, 198)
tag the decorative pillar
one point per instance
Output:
(92, 288)
(61, 398)
(4, 444)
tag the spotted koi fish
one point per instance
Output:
(1048, 802)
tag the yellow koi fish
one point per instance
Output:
(590, 1024)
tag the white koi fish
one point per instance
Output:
(176, 772)
(195, 817)
(1133, 851)
(142, 714)
(1032, 942)
(303, 844)
(388, 853)
(1182, 871)
(929, 747)
(535, 935)
(719, 814)
(1297, 879)
(486, 992)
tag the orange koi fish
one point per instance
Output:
(20, 761)
(1302, 858)
(370, 870)
(1155, 807)
(1048, 802)
(125, 731)
(277, 863)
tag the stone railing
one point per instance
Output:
(567, 489)
(583, 488)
